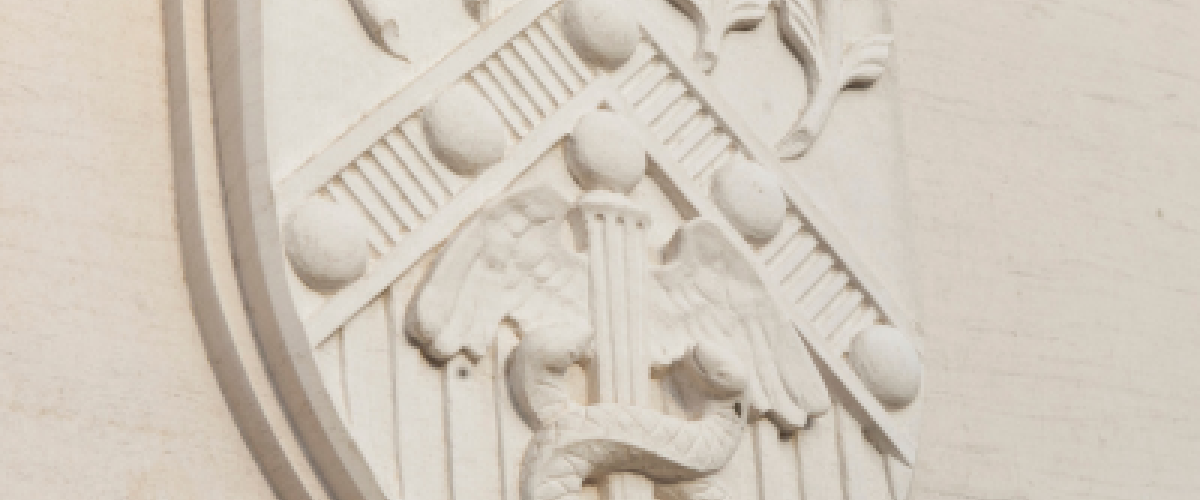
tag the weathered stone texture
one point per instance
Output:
(1054, 156)
(105, 390)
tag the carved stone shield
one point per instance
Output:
(546, 249)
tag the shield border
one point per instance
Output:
(251, 329)
(283, 410)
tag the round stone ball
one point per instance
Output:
(326, 244)
(752, 199)
(888, 363)
(464, 130)
(604, 154)
(604, 32)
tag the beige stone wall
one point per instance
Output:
(1054, 155)
(1057, 232)
(105, 390)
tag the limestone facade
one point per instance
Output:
(1047, 152)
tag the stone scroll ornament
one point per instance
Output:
(549, 260)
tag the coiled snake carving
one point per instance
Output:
(712, 331)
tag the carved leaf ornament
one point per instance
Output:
(555, 264)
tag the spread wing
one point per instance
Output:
(508, 262)
(707, 292)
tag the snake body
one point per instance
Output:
(575, 442)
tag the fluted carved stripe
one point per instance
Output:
(407, 162)
(558, 65)
(662, 99)
(540, 69)
(372, 167)
(499, 98)
(434, 179)
(528, 84)
(641, 84)
(823, 292)
(554, 35)
(799, 248)
(512, 91)
(839, 310)
(498, 33)
(362, 191)
(675, 118)
(808, 273)
(688, 143)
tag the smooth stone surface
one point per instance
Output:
(888, 363)
(464, 130)
(603, 153)
(326, 244)
(751, 197)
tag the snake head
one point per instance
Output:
(714, 371)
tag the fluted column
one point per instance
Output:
(608, 163)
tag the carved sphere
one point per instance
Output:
(326, 244)
(464, 130)
(751, 197)
(888, 363)
(603, 153)
(604, 32)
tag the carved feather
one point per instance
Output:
(712, 295)
(507, 263)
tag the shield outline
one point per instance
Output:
(269, 376)
(282, 409)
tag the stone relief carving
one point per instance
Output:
(557, 263)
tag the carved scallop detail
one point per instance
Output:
(604, 32)
(464, 130)
(888, 363)
(326, 244)
(751, 198)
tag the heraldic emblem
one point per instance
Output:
(538, 249)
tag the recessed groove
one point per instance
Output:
(663, 99)
(823, 292)
(550, 28)
(422, 200)
(540, 69)
(372, 167)
(794, 254)
(688, 143)
(652, 78)
(676, 118)
(706, 162)
(840, 309)
(440, 185)
(812, 269)
(491, 90)
(554, 59)
(527, 82)
(512, 89)
(642, 66)
(362, 191)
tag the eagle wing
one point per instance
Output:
(708, 293)
(508, 262)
